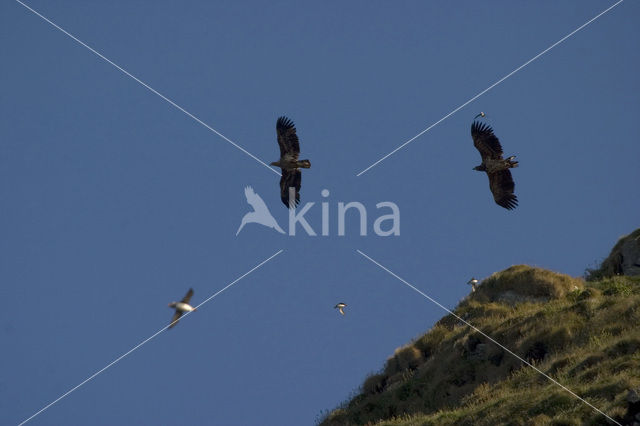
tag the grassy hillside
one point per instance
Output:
(586, 335)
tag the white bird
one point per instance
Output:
(181, 307)
(474, 284)
(260, 213)
(340, 306)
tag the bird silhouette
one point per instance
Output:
(260, 213)
(181, 307)
(497, 168)
(340, 306)
(291, 180)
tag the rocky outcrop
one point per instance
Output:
(624, 258)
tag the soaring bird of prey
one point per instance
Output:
(340, 306)
(496, 168)
(260, 213)
(289, 164)
(181, 307)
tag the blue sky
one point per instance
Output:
(114, 203)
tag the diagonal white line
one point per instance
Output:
(94, 375)
(491, 87)
(485, 335)
(128, 74)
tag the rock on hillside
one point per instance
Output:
(624, 258)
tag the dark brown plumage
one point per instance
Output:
(497, 169)
(287, 137)
(288, 163)
(290, 179)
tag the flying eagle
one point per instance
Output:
(288, 162)
(340, 307)
(181, 307)
(497, 168)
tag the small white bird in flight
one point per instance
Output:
(181, 307)
(260, 213)
(474, 283)
(340, 306)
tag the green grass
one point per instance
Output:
(584, 335)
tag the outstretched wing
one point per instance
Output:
(175, 319)
(287, 138)
(255, 200)
(502, 186)
(187, 296)
(290, 179)
(485, 141)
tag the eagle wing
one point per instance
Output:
(485, 141)
(290, 178)
(502, 186)
(187, 296)
(287, 138)
(175, 319)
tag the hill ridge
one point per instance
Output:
(584, 334)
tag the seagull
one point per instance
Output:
(474, 283)
(260, 213)
(340, 306)
(181, 307)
